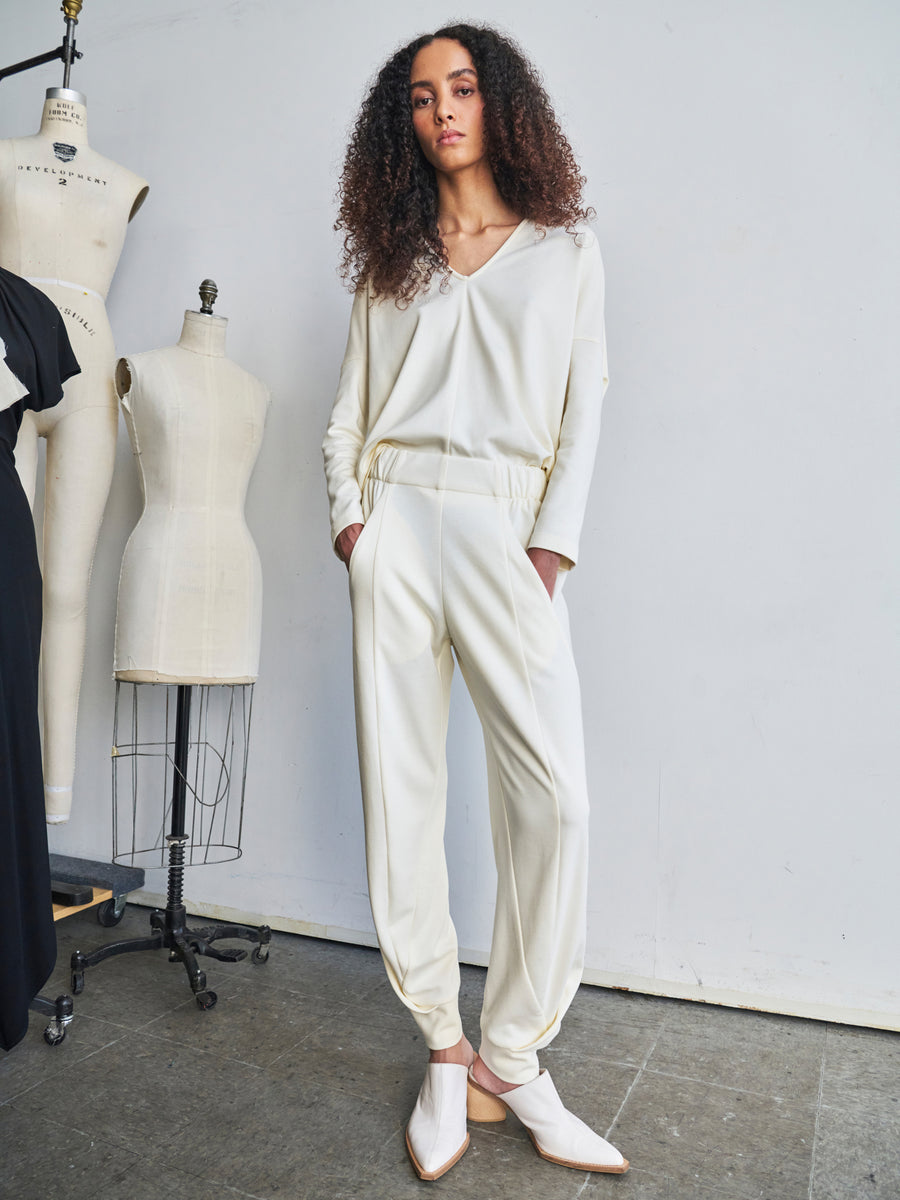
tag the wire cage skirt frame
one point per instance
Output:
(214, 775)
(179, 776)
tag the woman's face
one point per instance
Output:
(447, 107)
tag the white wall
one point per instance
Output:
(735, 610)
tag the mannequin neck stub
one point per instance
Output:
(203, 334)
(64, 121)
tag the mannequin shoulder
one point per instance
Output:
(127, 183)
(147, 363)
(251, 385)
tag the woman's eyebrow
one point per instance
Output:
(453, 75)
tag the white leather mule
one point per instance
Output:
(558, 1135)
(436, 1136)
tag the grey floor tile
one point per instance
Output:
(862, 1070)
(223, 1121)
(614, 1004)
(142, 1091)
(33, 1061)
(644, 1185)
(332, 971)
(382, 1062)
(293, 1140)
(746, 1146)
(604, 1025)
(43, 1160)
(154, 1179)
(857, 1157)
(251, 1022)
(749, 1051)
(382, 1009)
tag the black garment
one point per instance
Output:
(39, 355)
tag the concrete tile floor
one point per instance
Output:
(298, 1085)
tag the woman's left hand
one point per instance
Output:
(546, 563)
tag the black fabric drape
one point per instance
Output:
(40, 356)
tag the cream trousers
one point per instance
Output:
(440, 569)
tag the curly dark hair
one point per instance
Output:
(388, 189)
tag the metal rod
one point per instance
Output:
(68, 49)
(37, 61)
(182, 742)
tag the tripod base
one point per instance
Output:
(169, 932)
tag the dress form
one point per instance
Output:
(64, 211)
(190, 589)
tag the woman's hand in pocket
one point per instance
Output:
(345, 541)
(546, 563)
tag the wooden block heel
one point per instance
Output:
(482, 1105)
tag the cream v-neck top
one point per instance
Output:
(507, 364)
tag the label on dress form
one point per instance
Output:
(66, 113)
(63, 175)
(77, 318)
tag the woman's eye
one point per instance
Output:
(421, 101)
(466, 91)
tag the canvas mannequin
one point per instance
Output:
(190, 590)
(64, 211)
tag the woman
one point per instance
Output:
(458, 459)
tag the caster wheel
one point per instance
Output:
(110, 913)
(77, 982)
(260, 955)
(205, 999)
(54, 1033)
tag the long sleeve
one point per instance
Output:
(559, 522)
(347, 427)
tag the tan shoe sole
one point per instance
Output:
(442, 1170)
(579, 1166)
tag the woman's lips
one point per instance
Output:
(448, 138)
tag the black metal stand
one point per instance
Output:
(169, 930)
(81, 871)
(66, 53)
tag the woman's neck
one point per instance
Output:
(203, 334)
(64, 118)
(469, 202)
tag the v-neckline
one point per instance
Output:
(487, 262)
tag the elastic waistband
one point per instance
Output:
(76, 287)
(451, 473)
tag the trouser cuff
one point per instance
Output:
(512, 1066)
(441, 1026)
